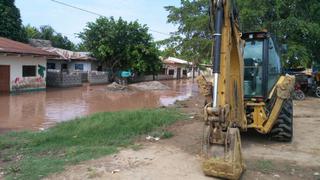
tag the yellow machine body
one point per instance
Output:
(224, 121)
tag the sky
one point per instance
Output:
(70, 21)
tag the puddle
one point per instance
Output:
(32, 111)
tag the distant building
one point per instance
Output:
(22, 67)
(177, 68)
(71, 61)
(67, 61)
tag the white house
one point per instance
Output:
(177, 68)
(22, 67)
(70, 60)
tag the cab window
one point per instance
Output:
(274, 66)
(253, 70)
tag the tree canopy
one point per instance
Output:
(122, 45)
(10, 21)
(48, 33)
(293, 22)
(192, 41)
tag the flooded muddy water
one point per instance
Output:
(32, 111)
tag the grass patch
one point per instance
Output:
(167, 135)
(34, 155)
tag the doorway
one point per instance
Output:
(4, 78)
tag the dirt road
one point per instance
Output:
(178, 157)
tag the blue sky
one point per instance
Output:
(69, 21)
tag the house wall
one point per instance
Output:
(57, 63)
(19, 83)
(86, 65)
(169, 67)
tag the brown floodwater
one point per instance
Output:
(37, 110)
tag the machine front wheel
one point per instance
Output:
(283, 129)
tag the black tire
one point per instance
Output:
(317, 92)
(283, 129)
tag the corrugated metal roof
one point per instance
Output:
(14, 47)
(172, 60)
(69, 55)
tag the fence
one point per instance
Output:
(62, 79)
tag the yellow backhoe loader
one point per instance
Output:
(248, 90)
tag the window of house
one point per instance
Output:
(51, 66)
(78, 67)
(171, 72)
(29, 71)
(185, 72)
(64, 66)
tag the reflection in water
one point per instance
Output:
(44, 109)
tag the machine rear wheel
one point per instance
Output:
(283, 129)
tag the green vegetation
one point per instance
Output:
(193, 40)
(33, 155)
(122, 45)
(10, 21)
(167, 135)
(48, 33)
(293, 22)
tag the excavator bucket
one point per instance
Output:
(227, 164)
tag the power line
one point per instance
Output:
(75, 7)
(97, 14)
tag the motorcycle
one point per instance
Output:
(298, 94)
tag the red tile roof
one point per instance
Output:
(14, 47)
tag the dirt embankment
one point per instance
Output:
(178, 157)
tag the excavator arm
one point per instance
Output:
(230, 107)
(224, 114)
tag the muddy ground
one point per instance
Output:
(178, 157)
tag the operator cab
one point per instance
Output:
(262, 66)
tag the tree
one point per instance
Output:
(293, 22)
(32, 32)
(122, 45)
(48, 33)
(10, 21)
(193, 40)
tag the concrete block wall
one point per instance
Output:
(57, 79)
(95, 77)
(150, 78)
